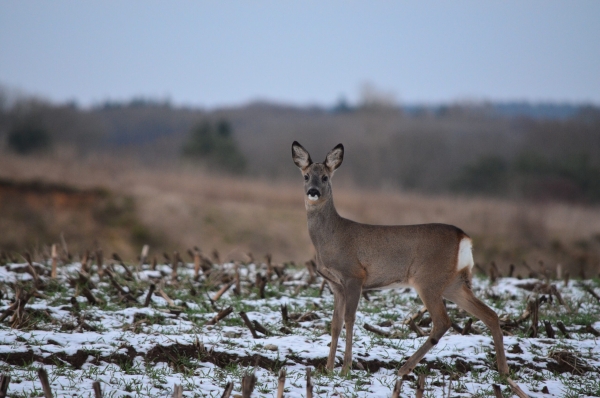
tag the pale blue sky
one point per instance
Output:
(215, 53)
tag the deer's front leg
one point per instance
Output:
(352, 294)
(336, 323)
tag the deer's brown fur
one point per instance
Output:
(353, 257)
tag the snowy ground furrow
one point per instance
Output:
(142, 352)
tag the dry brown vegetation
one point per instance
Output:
(178, 208)
(460, 147)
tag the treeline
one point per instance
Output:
(482, 149)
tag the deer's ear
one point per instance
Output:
(334, 158)
(300, 156)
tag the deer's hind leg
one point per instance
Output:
(441, 323)
(461, 294)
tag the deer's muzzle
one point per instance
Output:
(313, 194)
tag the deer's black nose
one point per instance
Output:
(313, 192)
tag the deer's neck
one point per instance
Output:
(323, 221)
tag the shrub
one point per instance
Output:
(214, 145)
(28, 137)
(487, 175)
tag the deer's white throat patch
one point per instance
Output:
(313, 197)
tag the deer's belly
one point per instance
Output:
(386, 285)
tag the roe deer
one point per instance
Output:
(434, 259)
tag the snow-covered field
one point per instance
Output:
(139, 351)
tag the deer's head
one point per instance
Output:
(317, 176)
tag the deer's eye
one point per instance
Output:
(305, 177)
(324, 178)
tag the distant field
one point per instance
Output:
(179, 208)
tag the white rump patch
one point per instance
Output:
(465, 254)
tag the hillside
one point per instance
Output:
(525, 188)
(532, 151)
